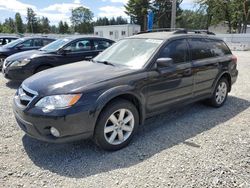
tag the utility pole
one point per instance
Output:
(173, 16)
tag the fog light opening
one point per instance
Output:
(54, 132)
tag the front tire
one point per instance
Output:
(116, 125)
(220, 93)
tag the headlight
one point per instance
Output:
(20, 63)
(50, 103)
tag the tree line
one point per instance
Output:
(235, 13)
(81, 22)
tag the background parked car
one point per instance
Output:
(7, 39)
(22, 44)
(60, 52)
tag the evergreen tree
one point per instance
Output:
(137, 10)
(32, 21)
(44, 24)
(19, 23)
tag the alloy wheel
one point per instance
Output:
(221, 93)
(119, 126)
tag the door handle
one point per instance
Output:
(88, 57)
(187, 72)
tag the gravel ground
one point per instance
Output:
(194, 146)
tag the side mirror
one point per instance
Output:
(164, 62)
(20, 46)
(64, 51)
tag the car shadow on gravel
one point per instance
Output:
(82, 159)
(13, 84)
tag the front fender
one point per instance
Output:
(114, 92)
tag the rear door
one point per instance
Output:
(205, 65)
(173, 84)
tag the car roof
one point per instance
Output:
(164, 35)
(8, 37)
(84, 37)
(38, 37)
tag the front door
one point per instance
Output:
(172, 84)
(77, 51)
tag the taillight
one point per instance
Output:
(234, 59)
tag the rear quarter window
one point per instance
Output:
(219, 48)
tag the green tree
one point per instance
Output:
(81, 19)
(44, 25)
(63, 27)
(190, 19)
(19, 23)
(32, 21)
(163, 12)
(8, 26)
(137, 10)
(234, 12)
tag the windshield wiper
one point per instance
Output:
(104, 62)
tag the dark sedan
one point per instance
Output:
(22, 44)
(59, 52)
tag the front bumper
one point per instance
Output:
(74, 123)
(16, 73)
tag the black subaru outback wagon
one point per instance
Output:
(108, 98)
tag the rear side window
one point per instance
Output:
(79, 46)
(219, 48)
(46, 41)
(37, 43)
(102, 44)
(200, 49)
(177, 50)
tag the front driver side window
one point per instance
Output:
(177, 50)
(27, 43)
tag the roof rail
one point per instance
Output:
(162, 29)
(202, 32)
(178, 31)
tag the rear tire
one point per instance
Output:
(42, 68)
(116, 125)
(220, 94)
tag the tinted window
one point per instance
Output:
(177, 50)
(37, 43)
(102, 44)
(27, 43)
(46, 42)
(219, 48)
(201, 49)
(82, 45)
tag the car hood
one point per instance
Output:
(27, 54)
(73, 78)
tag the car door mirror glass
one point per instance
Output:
(164, 62)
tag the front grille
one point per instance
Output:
(25, 95)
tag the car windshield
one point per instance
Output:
(56, 45)
(13, 43)
(133, 53)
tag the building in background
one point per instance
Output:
(222, 28)
(117, 32)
